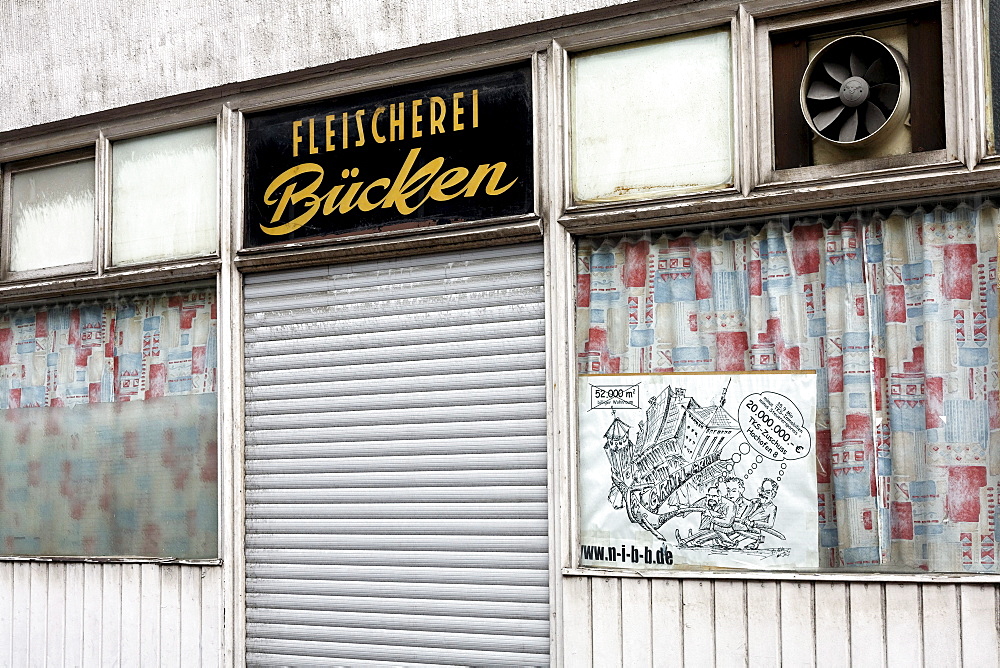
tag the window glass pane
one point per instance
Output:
(164, 196)
(895, 310)
(108, 428)
(52, 216)
(653, 118)
(992, 65)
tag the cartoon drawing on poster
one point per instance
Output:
(712, 469)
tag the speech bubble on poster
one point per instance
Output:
(773, 426)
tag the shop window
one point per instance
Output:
(706, 355)
(108, 428)
(51, 214)
(164, 196)
(653, 118)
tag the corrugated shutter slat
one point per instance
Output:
(396, 467)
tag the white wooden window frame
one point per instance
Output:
(6, 232)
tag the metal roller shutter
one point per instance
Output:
(396, 463)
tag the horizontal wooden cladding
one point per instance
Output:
(689, 622)
(275, 337)
(76, 614)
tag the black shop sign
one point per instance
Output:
(451, 150)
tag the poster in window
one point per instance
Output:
(697, 470)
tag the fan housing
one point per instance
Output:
(855, 92)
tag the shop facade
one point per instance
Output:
(662, 333)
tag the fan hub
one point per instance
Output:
(854, 91)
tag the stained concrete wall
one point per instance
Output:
(66, 58)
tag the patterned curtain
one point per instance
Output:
(898, 316)
(109, 429)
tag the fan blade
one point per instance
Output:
(850, 128)
(857, 67)
(824, 119)
(821, 90)
(874, 118)
(875, 74)
(887, 94)
(837, 71)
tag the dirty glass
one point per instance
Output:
(108, 428)
(164, 196)
(52, 216)
(653, 118)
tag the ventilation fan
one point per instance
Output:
(855, 91)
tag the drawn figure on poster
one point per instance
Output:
(674, 468)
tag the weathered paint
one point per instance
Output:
(73, 614)
(64, 59)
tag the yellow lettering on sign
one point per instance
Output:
(397, 129)
(312, 138)
(361, 130)
(296, 138)
(456, 111)
(403, 193)
(415, 131)
(438, 108)
(290, 196)
(380, 139)
(330, 133)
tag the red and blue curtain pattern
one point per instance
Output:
(897, 313)
(109, 429)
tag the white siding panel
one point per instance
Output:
(730, 623)
(668, 623)
(904, 646)
(979, 625)
(607, 621)
(798, 624)
(74, 614)
(637, 627)
(833, 624)
(867, 625)
(698, 623)
(942, 625)
(763, 623)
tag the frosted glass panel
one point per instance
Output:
(52, 216)
(109, 429)
(164, 196)
(652, 118)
